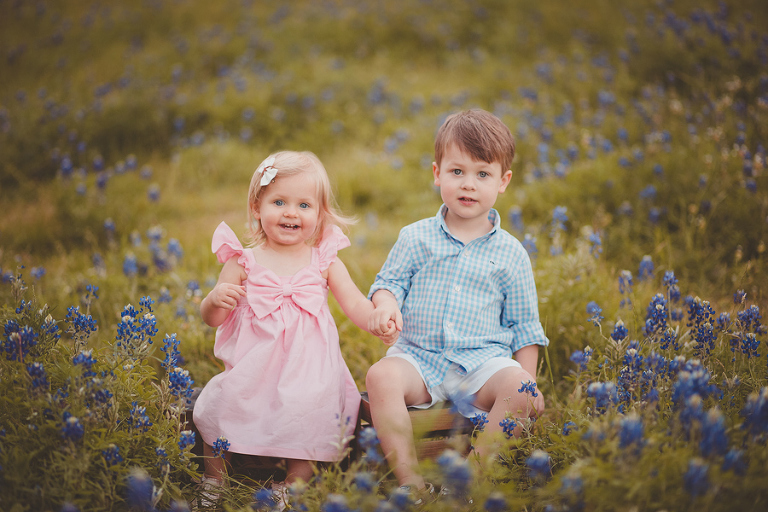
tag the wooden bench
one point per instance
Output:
(434, 429)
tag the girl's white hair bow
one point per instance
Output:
(267, 171)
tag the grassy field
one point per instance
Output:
(129, 131)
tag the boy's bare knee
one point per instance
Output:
(379, 374)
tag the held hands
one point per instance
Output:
(226, 295)
(386, 322)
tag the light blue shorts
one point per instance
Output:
(459, 389)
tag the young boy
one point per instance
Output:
(467, 296)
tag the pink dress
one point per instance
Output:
(285, 390)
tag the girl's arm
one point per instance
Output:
(352, 301)
(219, 303)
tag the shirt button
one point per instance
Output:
(449, 325)
(457, 288)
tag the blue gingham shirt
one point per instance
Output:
(460, 303)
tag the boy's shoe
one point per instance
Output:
(447, 492)
(407, 495)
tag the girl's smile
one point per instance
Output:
(288, 211)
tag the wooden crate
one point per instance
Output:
(434, 429)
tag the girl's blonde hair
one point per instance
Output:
(291, 163)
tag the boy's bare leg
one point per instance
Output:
(499, 395)
(393, 384)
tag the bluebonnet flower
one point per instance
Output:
(559, 218)
(646, 268)
(714, 439)
(723, 321)
(369, 443)
(139, 419)
(656, 315)
(18, 340)
(699, 312)
(365, 481)
(581, 358)
(496, 502)
(569, 427)
(670, 281)
(603, 393)
(619, 331)
(335, 503)
(71, 428)
(112, 455)
(631, 432)
(692, 380)
(696, 478)
(39, 377)
(139, 490)
(538, 464)
(508, 426)
(529, 243)
(528, 387)
(136, 329)
(81, 326)
(165, 296)
(193, 289)
(704, 335)
(86, 360)
(749, 345)
(130, 266)
(479, 421)
(180, 382)
(755, 413)
(750, 319)
(516, 218)
(37, 272)
(625, 287)
(739, 297)
(455, 469)
(186, 439)
(162, 456)
(734, 461)
(596, 246)
(595, 311)
(220, 447)
(172, 354)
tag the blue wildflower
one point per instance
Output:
(508, 426)
(18, 340)
(516, 218)
(139, 419)
(369, 442)
(171, 349)
(750, 319)
(335, 503)
(130, 266)
(714, 439)
(86, 360)
(455, 469)
(619, 331)
(739, 297)
(365, 481)
(139, 490)
(734, 461)
(528, 387)
(538, 464)
(696, 478)
(755, 413)
(596, 245)
(581, 358)
(39, 377)
(569, 427)
(595, 312)
(496, 502)
(631, 432)
(220, 447)
(186, 439)
(656, 315)
(646, 268)
(529, 243)
(603, 393)
(180, 383)
(37, 272)
(479, 421)
(692, 380)
(625, 287)
(72, 428)
(559, 218)
(112, 455)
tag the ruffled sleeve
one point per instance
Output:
(332, 242)
(225, 245)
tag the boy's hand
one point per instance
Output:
(226, 295)
(386, 322)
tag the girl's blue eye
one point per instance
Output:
(304, 206)
(279, 202)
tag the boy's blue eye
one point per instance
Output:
(483, 174)
(457, 172)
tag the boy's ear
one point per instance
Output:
(436, 173)
(506, 176)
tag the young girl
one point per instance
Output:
(285, 390)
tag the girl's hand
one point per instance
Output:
(386, 322)
(226, 295)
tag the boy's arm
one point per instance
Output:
(386, 320)
(528, 357)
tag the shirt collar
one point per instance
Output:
(493, 217)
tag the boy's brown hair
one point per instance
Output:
(478, 133)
